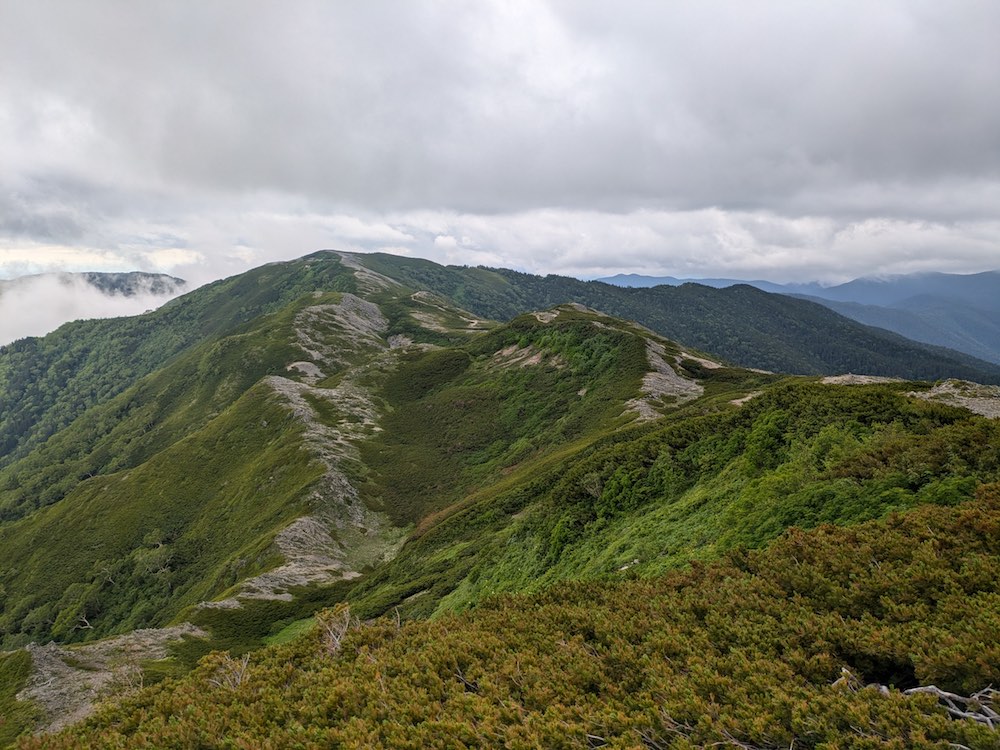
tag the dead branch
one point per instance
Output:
(335, 624)
(977, 707)
(83, 624)
(231, 672)
(471, 686)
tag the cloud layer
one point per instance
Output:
(37, 305)
(791, 140)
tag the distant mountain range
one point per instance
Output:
(959, 311)
(741, 324)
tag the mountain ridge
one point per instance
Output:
(333, 433)
(741, 324)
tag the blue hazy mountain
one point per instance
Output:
(959, 311)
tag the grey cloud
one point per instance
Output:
(495, 107)
(245, 132)
(47, 225)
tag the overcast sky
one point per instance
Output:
(781, 140)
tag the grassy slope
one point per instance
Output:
(518, 504)
(463, 423)
(461, 418)
(741, 324)
(519, 477)
(654, 497)
(763, 650)
(130, 549)
(46, 383)
(176, 400)
(15, 715)
(171, 493)
(166, 495)
(164, 407)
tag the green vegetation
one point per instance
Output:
(460, 418)
(171, 493)
(761, 650)
(653, 497)
(15, 716)
(510, 459)
(162, 497)
(45, 383)
(131, 549)
(166, 406)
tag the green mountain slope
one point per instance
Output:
(365, 441)
(958, 311)
(933, 320)
(281, 444)
(127, 551)
(45, 383)
(175, 490)
(693, 486)
(741, 324)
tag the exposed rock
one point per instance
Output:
(852, 379)
(744, 399)
(341, 534)
(706, 363)
(662, 381)
(977, 398)
(321, 330)
(67, 681)
(310, 372)
(368, 280)
(398, 341)
(429, 321)
(526, 356)
(440, 316)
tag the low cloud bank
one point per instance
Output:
(37, 305)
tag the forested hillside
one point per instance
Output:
(45, 383)
(933, 320)
(959, 311)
